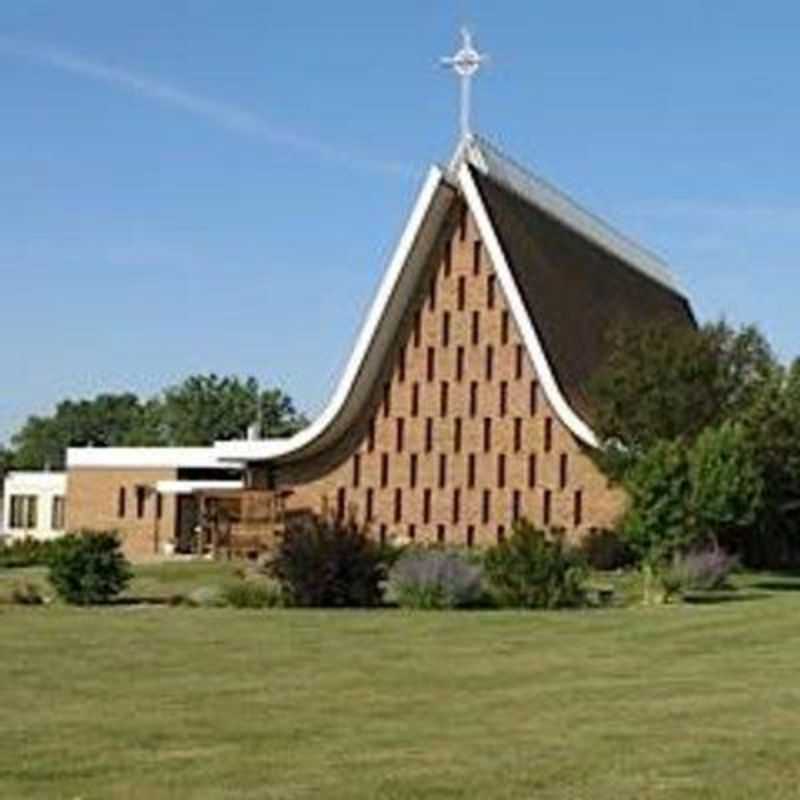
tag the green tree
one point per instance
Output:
(208, 408)
(665, 382)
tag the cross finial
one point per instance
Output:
(465, 63)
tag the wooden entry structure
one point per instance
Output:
(242, 523)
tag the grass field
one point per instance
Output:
(698, 701)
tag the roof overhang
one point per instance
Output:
(145, 458)
(191, 487)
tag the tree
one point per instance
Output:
(208, 408)
(667, 382)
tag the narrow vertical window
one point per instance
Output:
(447, 258)
(489, 362)
(370, 505)
(412, 470)
(446, 329)
(476, 257)
(121, 502)
(159, 506)
(577, 508)
(457, 434)
(534, 398)
(401, 365)
(503, 398)
(563, 465)
(387, 399)
(398, 505)
(431, 366)
(532, 471)
(440, 534)
(356, 470)
(429, 434)
(57, 513)
(471, 471)
(473, 398)
(412, 532)
(384, 470)
(371, 435)
(476, 327)
(548, 434)
(487, 434)
(417, 328)
(517, 434)
(501, 534)
(432, 294)
(444, 392)
(341, 503)
(400, 424)
(442, 470)
(490, 290)
(462, 293)
(462, 223)
(470, 536)
(504, 326)
(456, 506)
(415, 400)
(426, 506)
(382, 534)
(546, 506)
(518, 358)
(459, 364)
(516, 505)
(140, 501)
(501, 471)
(486, 510)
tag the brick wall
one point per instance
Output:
(459, 439)
(94, 501)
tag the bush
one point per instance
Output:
(27, 552)
(605, 550)
(252, 594)
(26, 593)
(88, 567)
(329, 563)
(534, 570)
(707, 570)
(435, 579)
(206, 597)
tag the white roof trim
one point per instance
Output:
(545, 374)
(267, 449)
(487, 159)
(188, 487)
(19, 481)
(144, 457)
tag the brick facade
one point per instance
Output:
(459, 439)
(95, 500)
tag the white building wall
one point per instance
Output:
(45, 486)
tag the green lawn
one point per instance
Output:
(698, 701)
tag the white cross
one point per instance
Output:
(465, 63)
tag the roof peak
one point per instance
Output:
(486, 157)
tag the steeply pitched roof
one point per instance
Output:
(567, 276)
(574, 290)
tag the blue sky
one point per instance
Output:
(206, 185)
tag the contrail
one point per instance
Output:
(226, 116)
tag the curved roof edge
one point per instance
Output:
(385, 315)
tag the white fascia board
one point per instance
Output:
(187, 487)
(144, 457)
(269, 449)
(520, 313)
(33, 482)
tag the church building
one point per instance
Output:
(465, 403)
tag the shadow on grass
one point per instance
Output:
(778, 585)
(718, 598)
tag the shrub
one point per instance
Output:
(27, 552)
(707, 570)
(605, 550)
(534, 570)
(206, 597)
(252, 594)
(26, 593)
(88, 567)
(435, 579)
(329, 563)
